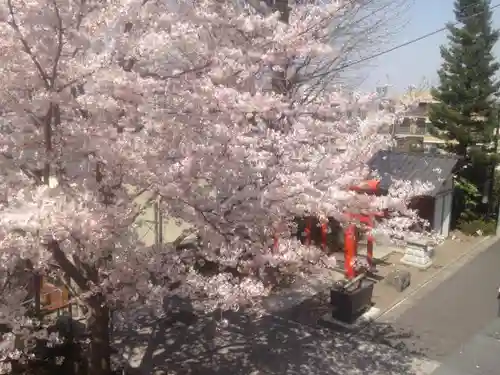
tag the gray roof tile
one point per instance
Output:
(434, 169)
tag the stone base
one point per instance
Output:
(410, 260)
(370, 315)
(398, 279)
(419, 257)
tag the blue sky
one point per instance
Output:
(418, 61)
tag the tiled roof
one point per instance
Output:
(434, 169)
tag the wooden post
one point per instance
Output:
(37, 289)
(308, 231)
(158, 224)
(324, 232)
(498, 221)
(369, 251)
(277, 230)
(350, 250)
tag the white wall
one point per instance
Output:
(171, 229)
(438, 213)
(442, 213)
(448, 204)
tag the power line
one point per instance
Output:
(425, 36)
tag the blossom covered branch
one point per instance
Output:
(174, 99)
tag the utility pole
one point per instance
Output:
(158, 223)
(495, 151)
(491, 186)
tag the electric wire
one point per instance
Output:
(412, 41)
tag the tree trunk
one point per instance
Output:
(279, 81)
(100, 344)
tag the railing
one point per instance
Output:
(55, 301)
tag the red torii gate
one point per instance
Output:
(350, 240)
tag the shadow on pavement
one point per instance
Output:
(246, 344)
(313, 309)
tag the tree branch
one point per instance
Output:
(59, 45)
(67, 266)
(177, 75)
(34, 174)
(26, 46)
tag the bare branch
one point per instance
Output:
(36, 175)
(59, 44)
(67, 266)
(26, 46)
(196, 69)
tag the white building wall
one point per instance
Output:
(147, 226)
(442, 213)
(438, 213)
(447, 206)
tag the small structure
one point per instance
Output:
(350, 232)
(436, 205)
(351, 297)
(398, 279)
(369, 187)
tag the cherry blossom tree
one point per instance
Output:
(358, 32)
(103, 101)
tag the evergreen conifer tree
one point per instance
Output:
(465, 114)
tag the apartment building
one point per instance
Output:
(412, 132)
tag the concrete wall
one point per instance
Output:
(171, 229)
(448, 204)
(442, 213)
(438, 213)
(147, 230)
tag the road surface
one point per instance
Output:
(266, 345)
(420, 338)
(479, 356)
(440, 322)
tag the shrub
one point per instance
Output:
(478, 227)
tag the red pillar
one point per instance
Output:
(350, 250)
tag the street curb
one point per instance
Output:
(441, 275)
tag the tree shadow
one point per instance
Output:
(244, 343)
(395, 337)
(311, 311)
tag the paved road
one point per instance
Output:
(438, 325)
(479, 356)
(451, 314)
(266, 345)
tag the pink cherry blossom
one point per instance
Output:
(106, 102)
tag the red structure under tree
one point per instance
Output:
(370, 187)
